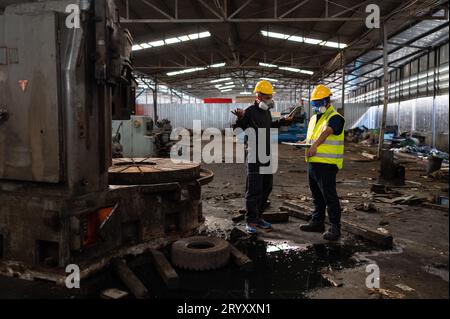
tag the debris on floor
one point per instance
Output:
(385, 294)
(404, 287)
(402, 200)
(369, 156)
(367, 207)
(330, 279)
(200, 253)
(129, 278)
(165, 269)
(113, 293)
(224, 196)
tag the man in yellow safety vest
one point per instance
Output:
(325, 157)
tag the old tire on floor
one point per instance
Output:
(200, 253)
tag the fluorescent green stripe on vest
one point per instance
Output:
(324, 155)
(331, 151)
(328, 142)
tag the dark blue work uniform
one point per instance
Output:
(258, 186)
(322, 182)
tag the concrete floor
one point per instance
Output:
(419, 259)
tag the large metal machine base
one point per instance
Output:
(149, 204)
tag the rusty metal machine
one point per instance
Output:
(62, 199)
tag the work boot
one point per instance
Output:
(312, 226)
(250, 228)
(263, 224)
(333, 233)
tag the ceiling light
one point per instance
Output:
(218, 65)
(184, 38)
(227, 87)
(312, 41)
(185, 71)
(295, 38)
(245, 93)
(287, 68)
(229, 83)
(270, 79)
(172, 41)
(290, 69)
(268, 65)
(334, 44)
(275, 35)
(136, 47)
(193, 36)
(307, 72)
(157, 43)
(220, 80)
(204, 34)
(227, 90)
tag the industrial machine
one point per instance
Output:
(296, 129)
(62, 198)
(140, 136)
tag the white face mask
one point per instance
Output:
(263, 105)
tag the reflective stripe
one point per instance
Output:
(328, 142)
(329, 115)
(325, 155)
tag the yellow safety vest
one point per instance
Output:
(332, 150)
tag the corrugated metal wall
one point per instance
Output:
(414, 115)
(353, 113)
(212, 115)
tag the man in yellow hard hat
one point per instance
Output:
(325, 157)
(258, 186)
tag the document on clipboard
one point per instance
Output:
(297, 144)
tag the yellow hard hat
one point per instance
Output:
(320, 92)
(264, 87)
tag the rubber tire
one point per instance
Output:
(190, 258)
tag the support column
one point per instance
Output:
(343, 83)
(300, 98)
(386, 90)
(155, 101)
(295, 92)
(309, 99)
(433, 126)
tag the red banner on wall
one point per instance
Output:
(217, 100)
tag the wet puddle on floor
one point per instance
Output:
(282, 270)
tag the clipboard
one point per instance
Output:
(297, 144)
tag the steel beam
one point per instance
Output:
(207, 6)
(243, 20)
(158, 10)
(239, 9)
(386, 90)
(294, 8)
(233, 67)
